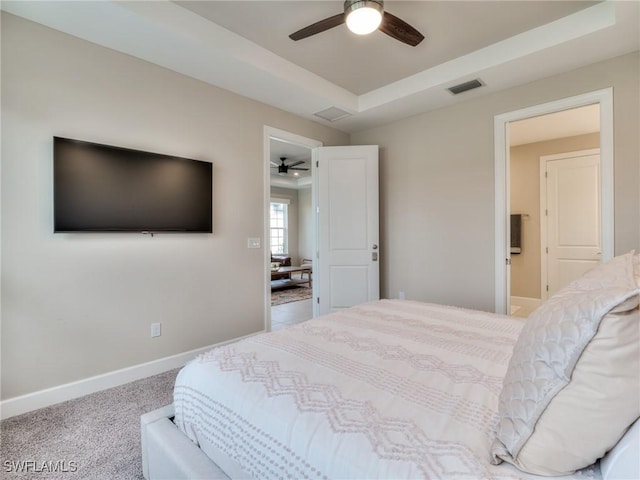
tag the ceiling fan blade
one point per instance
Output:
(274, 164)
(400, 30)
(294, 164)
(297, 168)
(318, 27)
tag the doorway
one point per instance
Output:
(289, 227)
(549, 194)
(504, 124)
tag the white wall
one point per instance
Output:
(78, 305)
(437, 184)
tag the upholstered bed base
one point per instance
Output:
(168, 454)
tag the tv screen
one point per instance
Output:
(101, 188)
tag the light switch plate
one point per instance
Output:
(253, 242)
(156, 330)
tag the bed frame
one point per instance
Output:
(167, 454)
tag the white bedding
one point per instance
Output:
(388, 389)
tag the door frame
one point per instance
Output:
(502, 257)
(543, 206)
(271, 133)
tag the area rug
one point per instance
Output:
(291, 294)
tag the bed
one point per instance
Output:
(387, 389)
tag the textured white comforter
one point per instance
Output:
(388, 389)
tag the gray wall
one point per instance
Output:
(437, 184)
(306, 225)
(301, 226)
(75, 306)
(291, 195)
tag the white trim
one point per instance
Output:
(544, 294)
(315, 302)
(576, 153)
(501, 123)
(529, 303)
(68, 391)
(501, 225)
(287, 137)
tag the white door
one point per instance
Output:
(572, 217)
(346, 270)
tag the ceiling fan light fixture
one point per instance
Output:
(363, 16)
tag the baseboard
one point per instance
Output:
(526, 302)
(50, 396)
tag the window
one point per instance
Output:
(278, 223)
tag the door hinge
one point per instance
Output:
(318, 300)
(508, 261)
(317, 163)
(547, 249)
(546, 174)
(546, 212)
(547, 288)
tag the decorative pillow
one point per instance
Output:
(572, 387)
(633, 302)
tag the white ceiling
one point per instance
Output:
(361, 64)
(242, 46)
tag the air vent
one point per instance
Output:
(332, 114)
(464, 87)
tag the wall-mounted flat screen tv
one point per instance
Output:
(101, 188)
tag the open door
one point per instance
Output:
(347, 264)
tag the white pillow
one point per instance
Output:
(572, 387)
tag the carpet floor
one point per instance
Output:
(291, 294)
(93, 437)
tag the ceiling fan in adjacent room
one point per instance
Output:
(363, 17)
(283, 168)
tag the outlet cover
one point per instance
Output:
(156, 330)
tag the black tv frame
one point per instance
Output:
(102, 188)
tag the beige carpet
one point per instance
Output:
(94, 437)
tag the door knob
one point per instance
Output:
(375, 247)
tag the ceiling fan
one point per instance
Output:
(283, 168)
(363, 17)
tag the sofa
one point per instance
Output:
(284, 261)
